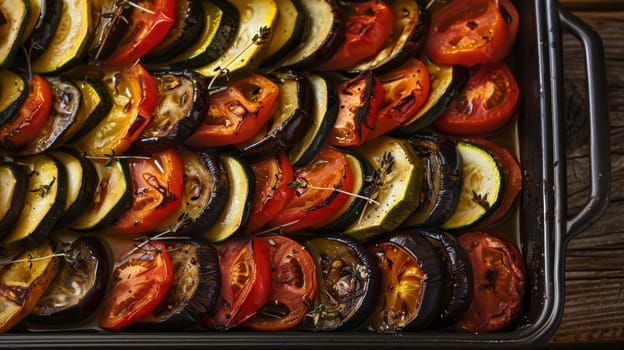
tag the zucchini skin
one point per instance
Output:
(17, 197)
(19, 97)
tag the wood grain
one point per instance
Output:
(594, 302)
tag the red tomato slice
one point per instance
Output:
(369, 25)
(138, 286)
(31, 117)
(293, 286)
(360, 100)
(148, 26)
(272, 191)
(236, 114)
(485, 104)
(245, 282)
(512, 176)
(316, 200)
(406, 89)
(157, 187)
(471, 32)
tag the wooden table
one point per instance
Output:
(594, 302)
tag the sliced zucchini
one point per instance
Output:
(398, 178)
(67, 99)
(45, 200)
(13, 93)
(481, 186)
(95, 104)
(13, 188)
(242, 56)
(82, 182)
(446, 82)
(324, 111)
(113, 193)
(206, 192)
(288, 32)
(235, 216)
(70, 39)
(221, 25)
(290, 121)
(110, 24)
(23, 282)
(47, 15)
(326, 32)
(14, 16)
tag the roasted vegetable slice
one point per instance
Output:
(13, 19)
(47, 14)
(14, 91)
(290, 27)
(13, 188)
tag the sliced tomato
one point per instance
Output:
(406, 90)
(138, 286)
(485, 104)
(360, 99)
(471, 32)
(135, 97)
(147, 27)
(293, 286)
(512, 183)
(316, 199)
(31, 116)
(273, 175)
(237, 113)
(369, 24)
(245, 282)
(157, 186)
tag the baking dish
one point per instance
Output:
(543, 222)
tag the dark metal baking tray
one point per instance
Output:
(545, 228)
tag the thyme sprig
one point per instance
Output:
(66, 252)
(276, 228)
(182, 222)
(481, 200)
(44, 189)
(386, 167)
(110, 158)
(303, 183)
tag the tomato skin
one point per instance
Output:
(485, 104)
(236, 114)
(471, 32)
(245, 282)
(315, 202)
(293, 284)
(499, 282)
(31, 116)
(139, 284)
(145, 31)
(157, 192)
(406, 90)
(369, 25)
(272, 191)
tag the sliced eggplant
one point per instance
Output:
(222, 20)
(70, 39)
(442, 181)
(238, 207)
(23, 281)
(13, 19)
(349, 282)
(206, 192)
(82, 181)
(324, 100)
(95, 104)
(48, 16)
(325, 33)
(79, 285)
(289, 29)
(290, 121)
(243, 56)
(412, 275)
(13, 189)
(182, 106)
(113, 193)
(446, 82)
(110, 20)
(406, 41)
(67, 99)
(186, 30)
(13, 92)
(398, 181)
(194, 289)
(458, 275)
(481, 186)
(45, 200)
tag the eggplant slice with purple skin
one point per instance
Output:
(45, 28)
(110, 21)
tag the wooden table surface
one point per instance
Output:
(594, 302)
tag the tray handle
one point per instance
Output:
(599, 146)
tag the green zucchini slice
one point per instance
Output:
(13, 93)
(14, 16)
(13, 188)
(288, 31)
(95, 104)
